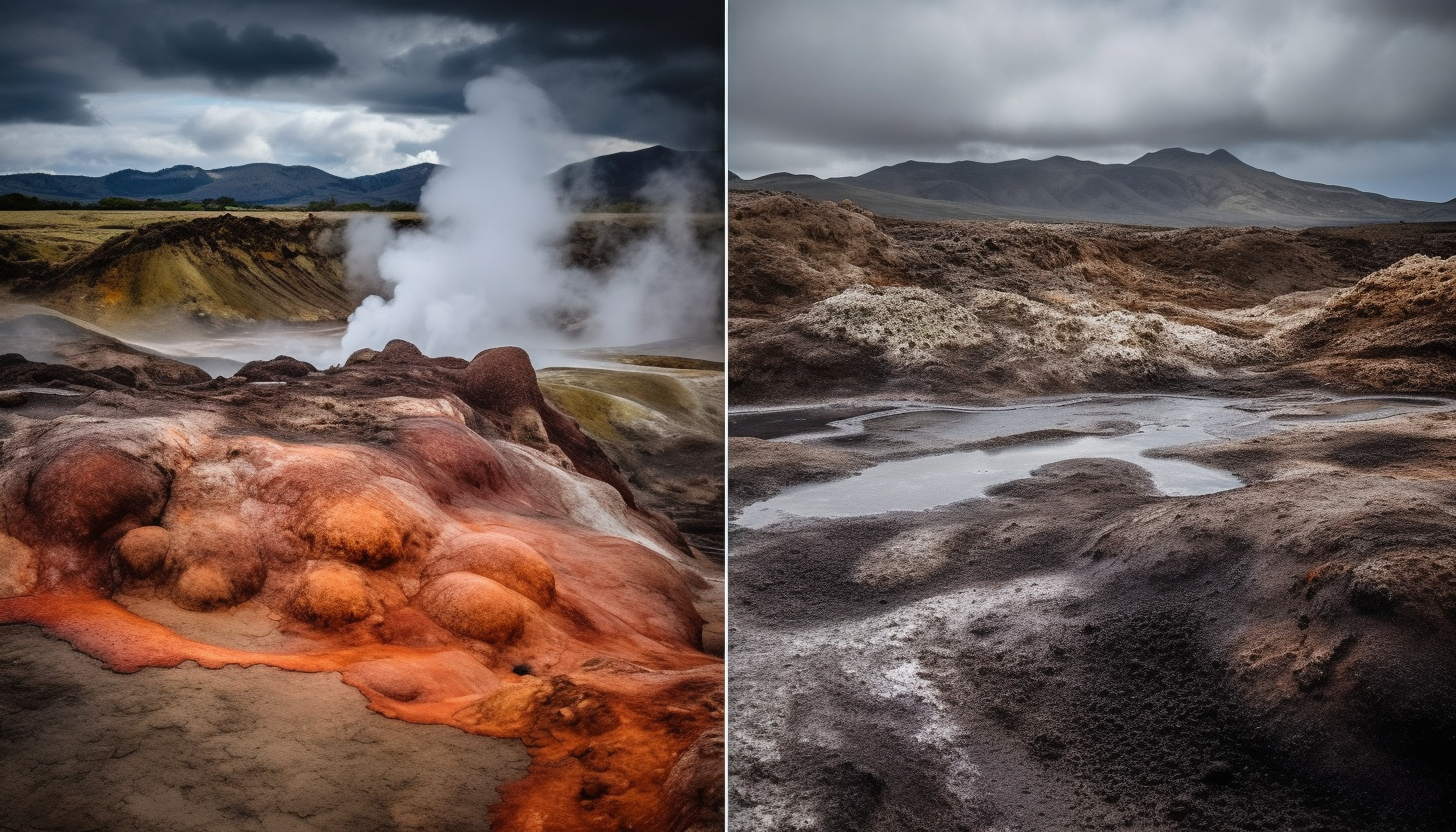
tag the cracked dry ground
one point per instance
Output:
(1076, 650)
(247, 567)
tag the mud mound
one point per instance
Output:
(788, 251)
(431, 529)
(224, 268)
(1392, 331)
(1341, 640)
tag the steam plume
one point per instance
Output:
(487, 270)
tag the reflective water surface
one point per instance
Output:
(1145, 423)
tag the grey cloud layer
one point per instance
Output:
(655, 68)
(37, 93)
(204, 47)
(923, 78)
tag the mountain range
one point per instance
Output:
(1171, 187)
(616, 177)
(261, 183)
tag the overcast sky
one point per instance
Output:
(1350, 92)
(350, 86)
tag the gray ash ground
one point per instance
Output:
(1077, 651)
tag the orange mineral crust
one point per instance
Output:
(431, 529)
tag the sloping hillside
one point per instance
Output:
(628, 177)
(224, 268)
(613, 178)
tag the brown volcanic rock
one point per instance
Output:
(503, 559)
(334, 594)
(398, 534)
(477, 607)
(787, 251)
(281, 368)
(84, 496)
(47, 337)
(1393, 330)
(502, 382)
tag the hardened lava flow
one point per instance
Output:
(429, 528)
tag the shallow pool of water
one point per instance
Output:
(45, 391)
(1161, 422)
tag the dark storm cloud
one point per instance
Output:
(634, 30)
(955, 78)
(205, 47)
(31, 93)
(563, 62)
(1437, 12)
(664, 61)
(643, 70)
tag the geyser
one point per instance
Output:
(486, 270)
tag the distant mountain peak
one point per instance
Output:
(1180, 157)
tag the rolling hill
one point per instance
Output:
(614, 178)
(261, 183)
(1172, 187)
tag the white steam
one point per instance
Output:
(487, 269)
(663, 286)
(366, 238)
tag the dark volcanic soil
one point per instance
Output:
(1078, 651)
(1075, 650)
